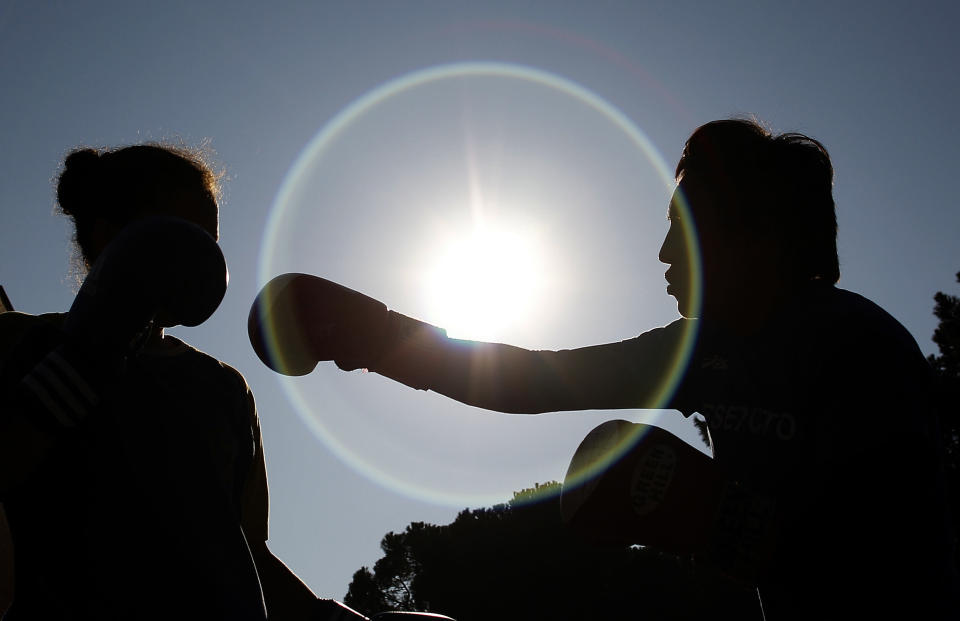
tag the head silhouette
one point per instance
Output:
(762, 210)
(104, 190)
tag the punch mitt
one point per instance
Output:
(630, 483)
(158, 268)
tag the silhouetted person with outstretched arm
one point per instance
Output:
(131, 464)
(818, 402)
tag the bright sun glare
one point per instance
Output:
(482, 283)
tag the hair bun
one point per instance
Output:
(79, 183)
(82, 160)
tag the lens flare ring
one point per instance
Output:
(336, 128)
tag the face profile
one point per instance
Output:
(683, 248)
(715, 266)
(675, 252)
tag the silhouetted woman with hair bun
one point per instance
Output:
(131, 464)
(103, 191)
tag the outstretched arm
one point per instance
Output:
(504, 378)
(298, 320)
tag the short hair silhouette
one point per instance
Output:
(770, 184)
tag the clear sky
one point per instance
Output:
(377, 143)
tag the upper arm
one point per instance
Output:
(285, 594)
(636, 373)
(23, 443)
(254, 499)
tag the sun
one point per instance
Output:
(483, 282)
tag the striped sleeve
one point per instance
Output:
(53, 384)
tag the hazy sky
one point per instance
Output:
(367, 142)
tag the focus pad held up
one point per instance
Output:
(630, 483)
(157, 268)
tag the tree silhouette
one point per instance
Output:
(518, 561)
(701, 424)
(947, 367)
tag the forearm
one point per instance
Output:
(286, 596)
(492, 376)
(511, 379)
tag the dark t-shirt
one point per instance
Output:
(828, 411)
(138, 515)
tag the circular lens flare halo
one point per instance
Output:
(333, 132)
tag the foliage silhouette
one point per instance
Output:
(517, 561)
(947, 368)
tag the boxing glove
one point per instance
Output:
(659, 491)
(298, 320)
